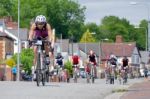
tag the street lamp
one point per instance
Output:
(18, 55)
(148, 19)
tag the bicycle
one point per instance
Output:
(42, 65)
(75, 73)
(92, 72)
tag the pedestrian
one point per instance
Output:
(14, 72)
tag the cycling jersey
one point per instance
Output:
(41, 32)
(59, 60)
(75, 59)
(125, 62)
(92, 58)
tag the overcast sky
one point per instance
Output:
(97, 9)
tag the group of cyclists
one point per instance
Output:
(41, 29)
(115, 71)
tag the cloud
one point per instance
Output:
(97, 9)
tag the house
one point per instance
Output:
(6, 45)
(121, 49)
(144, 56)
(11, 28)
(6, 50)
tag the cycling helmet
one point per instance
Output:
(41, 19)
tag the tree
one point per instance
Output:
(10, 62)
(6, 7)
(26, 58)
(92, 27)
(87, 37)
(66, 16)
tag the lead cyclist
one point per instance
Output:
(40, 28)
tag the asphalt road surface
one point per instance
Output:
(53, 90)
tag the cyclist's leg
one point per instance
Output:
(34, 62)
(35, 55)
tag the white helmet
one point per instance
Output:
(40, 18)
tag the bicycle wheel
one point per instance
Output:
(88, 78)
(38, 70)
(47, 74)
(43, 78)
(38, 77)
(93, 73)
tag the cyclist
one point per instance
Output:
(125, 61)
(92, 59)
(113, 64)
(75, 63)
(75, 60)
(113, 60)
(40, 28)
(59, 60)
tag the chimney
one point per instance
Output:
(119, 39)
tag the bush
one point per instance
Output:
(68, 66)
(10, 62)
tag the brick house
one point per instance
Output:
(11, 28)
(6, 45)
(121, 49)
(6, 49)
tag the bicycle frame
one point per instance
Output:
(40, 62)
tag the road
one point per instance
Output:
(53, 90)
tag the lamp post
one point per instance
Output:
(18, 55)
(148, 28)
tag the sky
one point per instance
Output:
(132, 10)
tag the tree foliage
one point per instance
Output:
(26, 58)
(88, 37)
(6, 7)
(10, 62)
(66, 16)
(68, 66)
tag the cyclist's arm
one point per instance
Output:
(50, 38)
(31, 32)
(95, 59)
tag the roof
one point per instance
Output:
(118, 49)
(144, 56)
(90, 46)
(23, 33)
(3, 34)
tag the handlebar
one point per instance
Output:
(38, 41)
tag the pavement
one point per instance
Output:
(136, 90)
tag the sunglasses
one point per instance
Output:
(40, 23)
